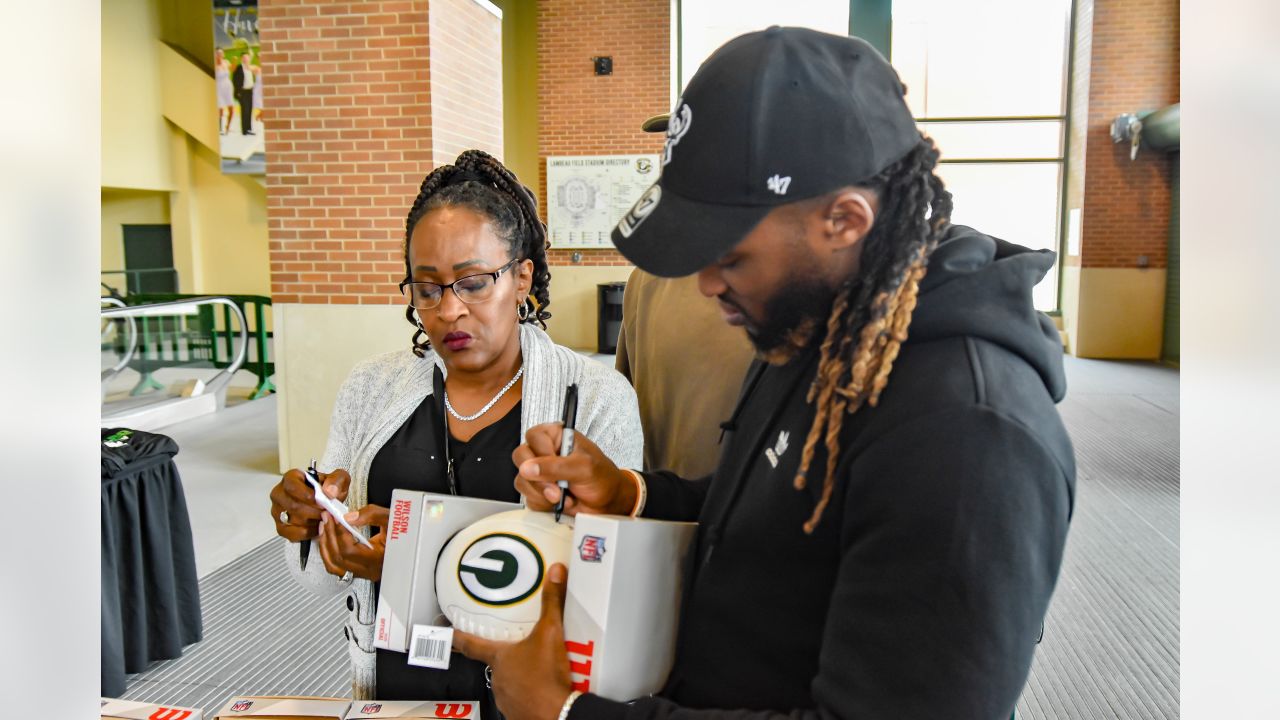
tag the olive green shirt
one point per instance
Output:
(686, 365)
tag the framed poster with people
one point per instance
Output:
(238, 77)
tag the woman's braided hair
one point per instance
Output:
(477, 181)
(869, 318)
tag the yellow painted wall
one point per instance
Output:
(520, 90)
(573, 302)
(1071, 304)
(127, 207)
(188, 26)
(1120, 313)
(219, 222)
(230, 220)
(316, 346)
(188, 94)
(135, 147)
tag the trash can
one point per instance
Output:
(150, 591)
(609, 311)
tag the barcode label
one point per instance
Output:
(428, 649)
(430, 646)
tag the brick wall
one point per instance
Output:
(356, 118)
(1133, 54)
(582, 114)
(466, 80)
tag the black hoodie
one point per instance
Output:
(921, 592)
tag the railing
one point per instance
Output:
(128, 346)
(175, 315)
(199, 337)
(133, 279)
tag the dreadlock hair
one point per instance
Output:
(477, 181)
(871, 312)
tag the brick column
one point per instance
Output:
(361, 103)
(348, 141)
(1134, 67)
(1126, 60)
(580, 113)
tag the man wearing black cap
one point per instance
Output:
(885, 527)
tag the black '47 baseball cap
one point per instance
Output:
(770, 118)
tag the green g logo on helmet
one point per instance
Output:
(500, 569)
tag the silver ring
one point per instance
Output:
(283, 517)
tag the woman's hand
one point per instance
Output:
(343, 554)
(294, 496)
(596, 485)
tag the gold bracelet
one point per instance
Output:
(568, 703)
(642, 492)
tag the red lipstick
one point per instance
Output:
(456, 341)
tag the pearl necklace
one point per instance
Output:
(491, 403)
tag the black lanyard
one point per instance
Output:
(442, 413)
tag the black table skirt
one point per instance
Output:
(150, 592)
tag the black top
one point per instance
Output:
(414, 458)
(921, 592)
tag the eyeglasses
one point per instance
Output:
(471, 289)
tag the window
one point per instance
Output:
(705, 25)
(986, 79)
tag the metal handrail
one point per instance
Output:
(109, 374)
(191, 307)
(261, 366)
(133, 277)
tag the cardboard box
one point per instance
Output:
(284, 708)
(415, 709)
(133, 710)
(421, 524)
(626, 578)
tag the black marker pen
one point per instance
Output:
(566, 440)
(306, 544)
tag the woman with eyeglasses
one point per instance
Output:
(446, 416)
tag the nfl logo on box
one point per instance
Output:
(371, 708)
(242, 706)
(591, 549)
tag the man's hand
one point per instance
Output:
(296, 497)
(596, 485)
(530, 678)
(343, 554)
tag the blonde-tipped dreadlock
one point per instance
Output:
(476, 180)
(875, 308)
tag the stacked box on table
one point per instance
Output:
(415, 709)
(284, 708)
(133, 710)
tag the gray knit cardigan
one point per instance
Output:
(380, 394)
